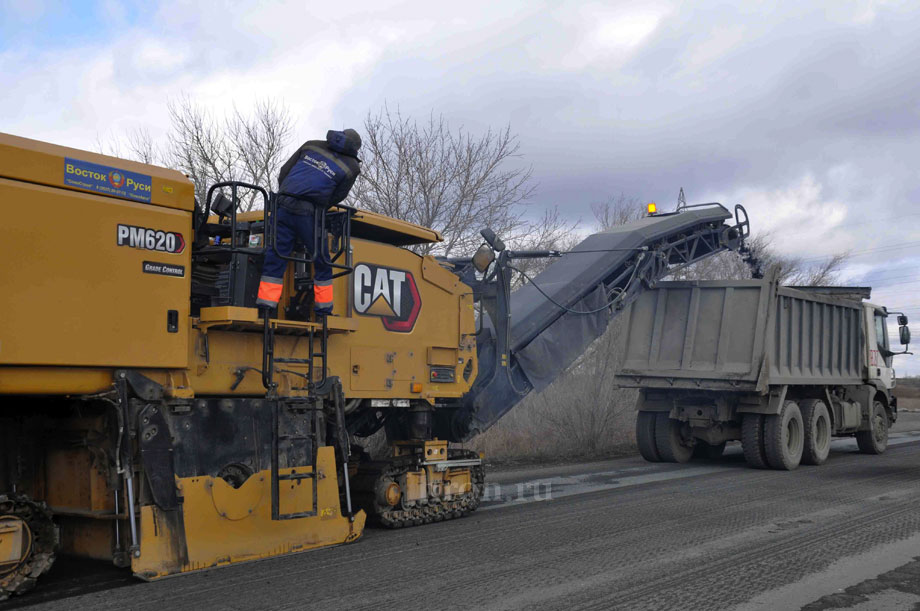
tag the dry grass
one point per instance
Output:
(581, 415)
(906, 392)
(910, 404)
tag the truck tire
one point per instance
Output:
(708, 451)
(645, 436)
(670, 443)
(752, 440)
(818, 431)
(784, 437)
(875, 440)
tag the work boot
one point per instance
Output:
(267, 311)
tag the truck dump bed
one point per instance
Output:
(740, 335)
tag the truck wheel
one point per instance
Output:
(671, 445)
(645, 436)
(875, 440)
(752, 440)
(707, 450)
(817, 431)
(784, 437)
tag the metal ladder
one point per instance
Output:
(318, 383)
(338, 225)
(286, 415)
(269, 360)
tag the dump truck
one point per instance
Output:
(782, 369)
(152, 416)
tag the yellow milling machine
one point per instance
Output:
(151, 417)
(133, 407)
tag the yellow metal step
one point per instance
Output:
(234, 318)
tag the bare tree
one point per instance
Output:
(107, 146)
(823, 273)
(449, 180)
(793, 271)
(244, 147)
(549, 232)
(585, 405)
(553, 233)
(261, 141)
(143, 148)
(239, 147)
(617, 210)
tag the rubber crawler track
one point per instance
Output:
(44, 539)
(401, 517)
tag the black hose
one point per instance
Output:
(609, 304)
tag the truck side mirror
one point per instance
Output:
(905, 334)
(902, 320)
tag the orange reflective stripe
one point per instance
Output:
(322, 294)
(269, 291)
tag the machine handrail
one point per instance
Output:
(320, 244)
(234, 185)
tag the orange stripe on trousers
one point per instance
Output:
(269, 291)
(322, 294)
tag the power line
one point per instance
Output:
(859, 223)
(888, 272)
(855, 253)
(866, 279)
(881, 286)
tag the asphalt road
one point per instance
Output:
(620, 534)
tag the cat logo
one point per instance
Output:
(388, 293)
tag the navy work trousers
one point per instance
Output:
(294, 227)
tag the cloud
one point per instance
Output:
(606, 33)
(220, 59)
(807, 113)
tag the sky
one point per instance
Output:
(806, 113)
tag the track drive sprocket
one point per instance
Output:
(39, 544)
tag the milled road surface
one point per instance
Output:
(619, 534)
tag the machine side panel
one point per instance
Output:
(816, 339)
(59, 166)
(697, 330)
(405, 305)
(401, 322)
(73, 296)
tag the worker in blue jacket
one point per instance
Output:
(319, 175)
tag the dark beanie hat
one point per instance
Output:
(347, 141)
(354, 138)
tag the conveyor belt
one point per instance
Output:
(546, 335)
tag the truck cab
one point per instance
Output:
(879, 354)
(879, 362)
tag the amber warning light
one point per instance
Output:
(652, 209)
